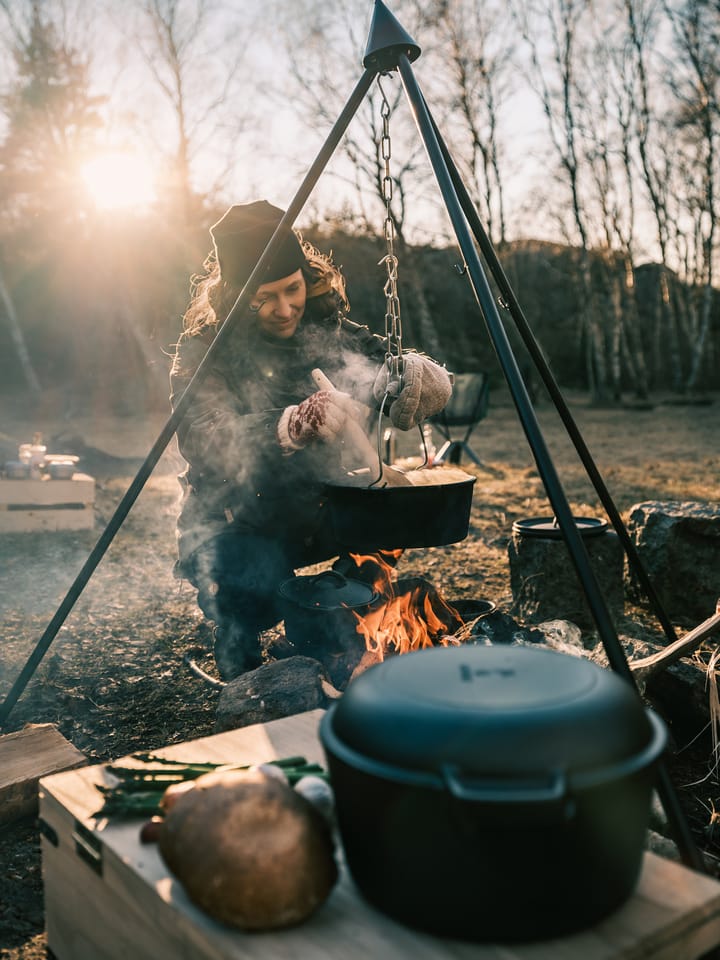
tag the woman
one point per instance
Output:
(259, 438)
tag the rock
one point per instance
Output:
(499, 627)
(274, 690)
(678, 543)
(661, 846)
(634, 647)
(682, 697)
(563, 636)
(678, 693)
(658, 817)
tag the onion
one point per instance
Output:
(319, 793)
(271, 770)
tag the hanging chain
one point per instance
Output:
(393, 324)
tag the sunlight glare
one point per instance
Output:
(119, 180)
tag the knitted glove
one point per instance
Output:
(321, 416)
(426, 388)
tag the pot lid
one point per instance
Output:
(549, 527)
(501, 710)
(328, 590)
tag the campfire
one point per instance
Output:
(410, 615)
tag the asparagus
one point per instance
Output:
(139, 790)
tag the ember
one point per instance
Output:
(414, 615)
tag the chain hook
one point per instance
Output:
(393, 323)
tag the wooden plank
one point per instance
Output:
(25, 756)
(46, 521)
(80, 489)
(674, 914)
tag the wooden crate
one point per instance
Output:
(108, 896)
(28, 506)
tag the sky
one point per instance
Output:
(273, 151)
(272, 156)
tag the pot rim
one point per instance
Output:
(395, 492)
(507, 792)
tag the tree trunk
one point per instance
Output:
(597, 364)
(616, 336)
(698, 348)
(423, 323)
(669, 322)
(18, 339)
(635, 346)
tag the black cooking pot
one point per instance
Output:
(319, 614)
(385, 518)
(492, 793)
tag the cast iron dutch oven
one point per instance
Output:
(319, 606)
(319, 614)
(492, 793)
(385, 518)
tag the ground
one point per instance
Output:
(115, 678)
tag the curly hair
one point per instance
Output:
(212, 298)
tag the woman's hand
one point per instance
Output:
(426, 388)
(322, 416)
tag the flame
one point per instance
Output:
(383, 582)
(405, 622)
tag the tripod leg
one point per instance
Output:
(136, 486)
(526, 413)
(563, 410)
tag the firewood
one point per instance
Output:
(36, 751)
(645, 668)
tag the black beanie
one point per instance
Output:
(240, 237)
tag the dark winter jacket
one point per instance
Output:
(237, 475)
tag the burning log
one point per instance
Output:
(414, 616)
(274, 690)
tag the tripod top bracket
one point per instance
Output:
(387, 41)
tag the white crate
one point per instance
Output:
(28, 506)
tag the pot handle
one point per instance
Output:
(548, 792)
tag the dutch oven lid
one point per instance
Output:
(328, 590)
(549, 527)
(503, 710)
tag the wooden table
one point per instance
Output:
(109, 897)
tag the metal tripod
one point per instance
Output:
(390, 48)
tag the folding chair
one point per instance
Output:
(467, 406)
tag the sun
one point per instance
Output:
(119, 179)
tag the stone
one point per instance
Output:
(679, 545)
(545, 585)
(661, 846)
(563, 636)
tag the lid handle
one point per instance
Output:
(339, 578)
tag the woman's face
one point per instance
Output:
(280, 305)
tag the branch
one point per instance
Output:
(648, 666)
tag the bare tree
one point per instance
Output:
(50, 120)
(323, 50)
(474, 78)
(556, 78)
(696, 27)
(195, 55)
(658, 163)
(608, 132)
